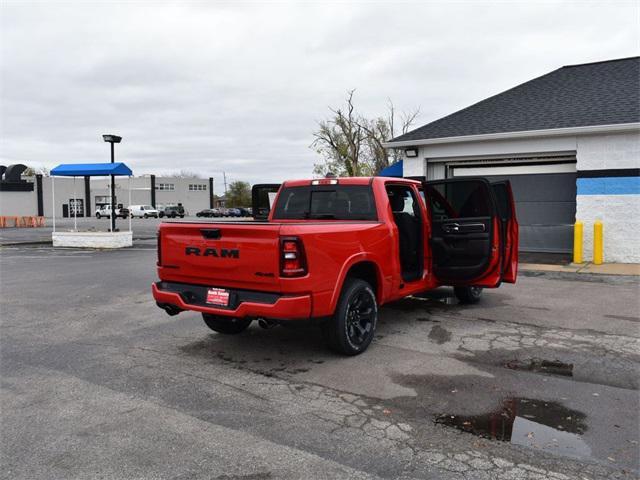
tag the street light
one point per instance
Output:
(112, 139)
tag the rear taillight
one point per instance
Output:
(159, 249)
(292, 258)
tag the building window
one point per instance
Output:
(102, 200)
(165, 186)
(76, 205)
(197, 187)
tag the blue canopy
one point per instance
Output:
(90, 169)
(394, 170)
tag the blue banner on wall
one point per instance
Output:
(608, 186)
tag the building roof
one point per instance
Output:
(590, 94)
(90, 169)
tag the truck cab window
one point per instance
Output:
(339, 202)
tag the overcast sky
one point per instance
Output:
(239, 87)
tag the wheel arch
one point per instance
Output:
(365, 269)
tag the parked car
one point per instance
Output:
(245, 212)
(224, 212)
(172, 211)
(105, 211)
(208, 212)
(334, 250)
(234, 212)
(143, 211)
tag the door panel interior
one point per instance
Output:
(462, 217)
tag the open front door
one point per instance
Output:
(465, 238)
(262, 197)
(508, 229)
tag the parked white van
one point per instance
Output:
(143, 211)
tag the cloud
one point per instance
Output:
(240, 86)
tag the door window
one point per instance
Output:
(459, 200)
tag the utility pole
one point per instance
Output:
(113, 193)
(224, 177)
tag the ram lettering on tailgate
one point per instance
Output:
(213, 252)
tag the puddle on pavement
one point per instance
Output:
(552, 367)
(439, 334)
(531, 423)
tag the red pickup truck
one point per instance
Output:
(334, 250)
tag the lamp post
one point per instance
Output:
(112, 139)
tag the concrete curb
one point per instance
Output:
(26, 243)
(625, 269)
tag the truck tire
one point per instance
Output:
(98, 216)
(146, 216)
(226, 325)
(468, 295)
(353, 325)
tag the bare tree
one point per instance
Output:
(381, 129)
(407, 119)
(340, 140)
(352, 145)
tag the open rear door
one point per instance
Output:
(263, 196)
(465, 232)
(508, 229)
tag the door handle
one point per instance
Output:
(464, 228)
(211, 233)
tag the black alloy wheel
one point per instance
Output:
(468, 295)
(353, 325)
(360, 312)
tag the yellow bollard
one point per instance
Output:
(577, 242)
(598, 243)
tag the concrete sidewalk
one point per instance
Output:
(604, 269)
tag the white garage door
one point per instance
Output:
(545, 197)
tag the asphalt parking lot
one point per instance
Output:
(97, 382)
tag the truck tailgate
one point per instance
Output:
(235, 255)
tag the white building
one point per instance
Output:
(568, 141)
(86, 194)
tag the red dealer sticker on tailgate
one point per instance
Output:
(218, 296)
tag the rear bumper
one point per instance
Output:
(246, 304)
